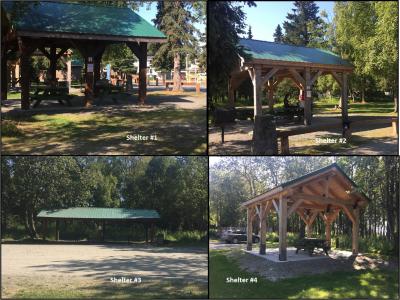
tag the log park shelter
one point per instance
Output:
(268, 63)
(88, 28)
(101, 215)
(323, 193)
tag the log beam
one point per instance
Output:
(308, 99)
(249, 230)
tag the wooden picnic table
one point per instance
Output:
(46, 92)
(309, 244)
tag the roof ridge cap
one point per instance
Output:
(93, 3)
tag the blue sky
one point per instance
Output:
(267, 15)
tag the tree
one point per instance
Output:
(278, 35)
(249, 33)
(176, 19)
(226, 21)
(302, 26)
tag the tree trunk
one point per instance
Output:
(4, 76)
(177, 73)
(363, 91)
(32, 225)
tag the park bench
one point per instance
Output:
(309, 244)
(42, 93)
(184, 83)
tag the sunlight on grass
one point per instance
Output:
(336, 285)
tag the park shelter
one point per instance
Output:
(323, 193)
(89, 28)
(268, 63)
(101, 215)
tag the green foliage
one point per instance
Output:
(338, 285)
(303, 27)
(225, 24)
(120, 57)
(174, 186)
(278, 35)
(249, 33)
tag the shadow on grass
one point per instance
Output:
(106, 130)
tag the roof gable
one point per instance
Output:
(289, 53)
(58, 17)
(99, 213)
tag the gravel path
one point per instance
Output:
(24, 265)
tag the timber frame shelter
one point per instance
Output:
(89, 28)
(268, 63)
(101, 215)
(323, 193)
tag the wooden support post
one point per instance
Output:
(26, 52)
(152, 233)
(140, 51)
(282, 228)
(249, 230)
(345, 117)
(146, 229)
(52, 71)
(4, 83)
(263, 228)
(309, 230)
(57, 230)
(355, 230)
(271, 97)
(328, 231)
(308, 99)
(285, 145)
(69, 72)
(256, 80)
(44, 230)
(104, 231)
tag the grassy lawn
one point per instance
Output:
(179, 131)
(337, 285)
(145, 290)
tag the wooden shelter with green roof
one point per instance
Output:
(325, 192)
(89, 28)
(268, 63)
(101, 215)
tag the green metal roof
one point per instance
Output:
(289, 53)
(99, 213)
(83, 19)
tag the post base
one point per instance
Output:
(249, 247)
(262, 249)
(282, 257)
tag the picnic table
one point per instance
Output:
(48, 92)
(309, 244)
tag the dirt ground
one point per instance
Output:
(374, 139)
(66, 266)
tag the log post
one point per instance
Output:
(44, 230)
(355, 230)
(328, 231)
(263, 228)
(104, 231)
(282, 228)
(345, 117)
(69, 71)
(4, 83)
(26, 52)
(57, 230)
(146, 228)
(271, 96)
(256, 80)
(249, 230)
(308, 100)
(52, 72)
(140, 51)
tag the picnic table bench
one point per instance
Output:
(45, 92)
(309, 244)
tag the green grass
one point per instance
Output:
(167, 288)
(179, 131)
(337, 285)
(185, 238)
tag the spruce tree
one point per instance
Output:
(301, 25)
(249, 33)
(176, 19)
(278, 35)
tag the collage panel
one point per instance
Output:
(103, 78)
(104, 227)
(303, 78)
(317, 227)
